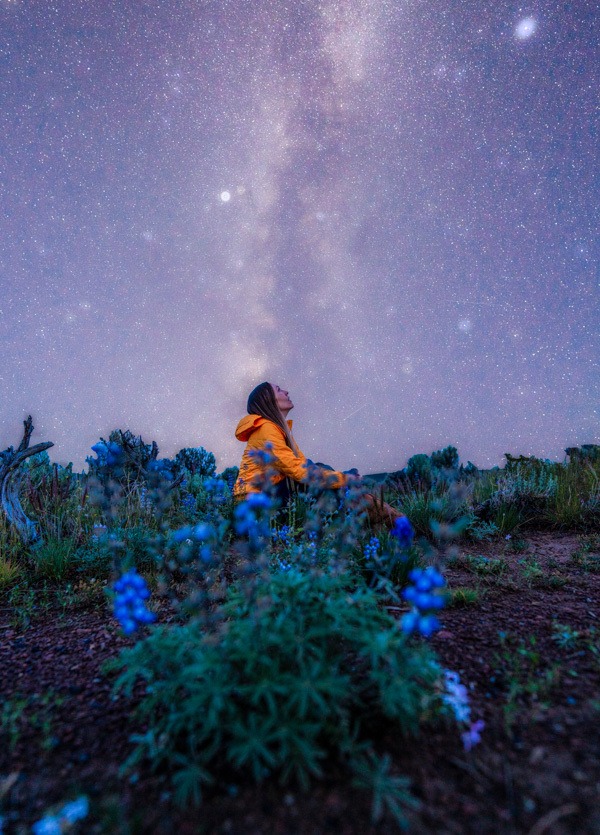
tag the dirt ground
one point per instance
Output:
(512, 639)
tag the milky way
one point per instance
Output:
(388, 208)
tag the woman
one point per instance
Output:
(266, 423)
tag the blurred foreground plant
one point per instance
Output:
(295, 674)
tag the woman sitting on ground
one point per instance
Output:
(266, 423)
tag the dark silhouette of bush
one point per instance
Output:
(196, 460)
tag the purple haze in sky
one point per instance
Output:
(388, 208)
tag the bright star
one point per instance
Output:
(525, 28)
(225, 196)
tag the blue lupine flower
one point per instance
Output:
(258, 500)
(75, 811)
(403, 531)
(428, 624)
(372, 548)
(162, 466)
(456, 696)
(427, 578)
(70, 813)
(472, 736)
(181, 534)
(189, 503)
(263, 456)
(246, 520)
(49, 825)
(424, 597)
(129, 607)
(203, 531)
(283, 534)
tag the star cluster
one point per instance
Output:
(388, 207)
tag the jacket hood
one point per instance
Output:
(249, 424)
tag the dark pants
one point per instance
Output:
(289, 489)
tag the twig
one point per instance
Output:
(550, 818)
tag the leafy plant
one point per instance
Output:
(11, 714)
(565, 636)
(300, 672)
(463, 597)
(197, 461)
(53, 559)
(531, 571)
(486, 566)
(526, 677)
(10, 572)
(35, 712)
(22, 601)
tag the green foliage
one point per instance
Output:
(425, 508)
(137, 548)
(25, 603)
(486, 566)
(527, 679)
(445, 459)
(230, 474)
(481, 531)
(57, 499)
(10, 572)
(577, 502)
(34, 713)
(53, 559)
(585, 453)
(531, 572)
(299, 671)
(464, 597)
(565, 636)
(389, 792)
(11, 713)
(506, 518)
(419, 470)
(197, 461)
(587, 556)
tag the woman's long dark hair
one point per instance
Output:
(262, 402)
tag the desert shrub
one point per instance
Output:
(56, 498)
(437, 505)
(445, 459)
(419, 470)
(53, 559)
(230, 475)
(441, 467)
(135, 547)
(584, 454)
(125, 465)
(10, 572)
(303, 670)
(523, 494)
(197, 461)
(577, 500)
(481, 531)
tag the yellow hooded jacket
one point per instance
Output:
(256, 431)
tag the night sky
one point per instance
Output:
(388, 208)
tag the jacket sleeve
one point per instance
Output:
(285, 460)
(294, 467)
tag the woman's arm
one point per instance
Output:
(286, 462)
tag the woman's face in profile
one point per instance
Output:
(282, 398)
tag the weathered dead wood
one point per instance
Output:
(10, 480)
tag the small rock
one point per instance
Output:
(537, 755)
